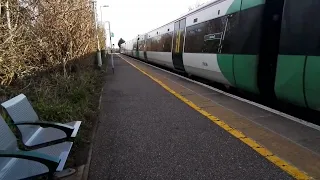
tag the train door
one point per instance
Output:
(269, 49)
(133, 48)
(145, 47)
(137, 48)
(178, 41)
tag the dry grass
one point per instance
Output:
(63, 99)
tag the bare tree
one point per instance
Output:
(40, 34)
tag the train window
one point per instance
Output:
(218, 12)
(141, 45)
(248, 38)
(168, 29)
(195, 20)
(166, 40)
(176, 25)
(182, 23)
(149, 44)
(214, 36)
(195, 38)
(214, 33)
(299, 31)
(158, 43)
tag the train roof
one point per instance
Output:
(203, 6)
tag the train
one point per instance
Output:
(270, 48)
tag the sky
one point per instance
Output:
(128, 18)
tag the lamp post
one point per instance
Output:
(101, 10)
(103, 23)
(112, 63)
(97, 36)
(111, 48)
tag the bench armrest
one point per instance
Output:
(51, 162)
(63, 127)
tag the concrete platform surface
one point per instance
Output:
(145, 132)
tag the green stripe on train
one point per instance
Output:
(246, 72)
(243, 4)
(225, 62)
(312, 85)
(246, 4)
(235, 7)
(240, 70)
(297, 80)
(289, 79)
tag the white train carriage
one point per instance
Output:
(208, 42)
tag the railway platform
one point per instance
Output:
(157, 125)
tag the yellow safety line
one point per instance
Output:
(290, 169)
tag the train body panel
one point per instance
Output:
(141, 43)
(298, 68)
(135, 49)
(266, 47)
(141, 55)
(226, 65)
(245, 70)
(312, 85)
(206, 28)
(206, 66)
(218, 30)
(161, 58)
(289, 79)
(246, 4)
(211, 12)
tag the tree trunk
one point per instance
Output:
(8, 17)
(0, 11)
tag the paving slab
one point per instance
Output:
(144, 132)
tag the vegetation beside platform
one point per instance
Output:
(47, 52)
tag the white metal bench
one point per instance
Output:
(35, 133)
(17, 164)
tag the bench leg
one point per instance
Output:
(64, 173)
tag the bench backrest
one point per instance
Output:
(20, 110)
(8, 140)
